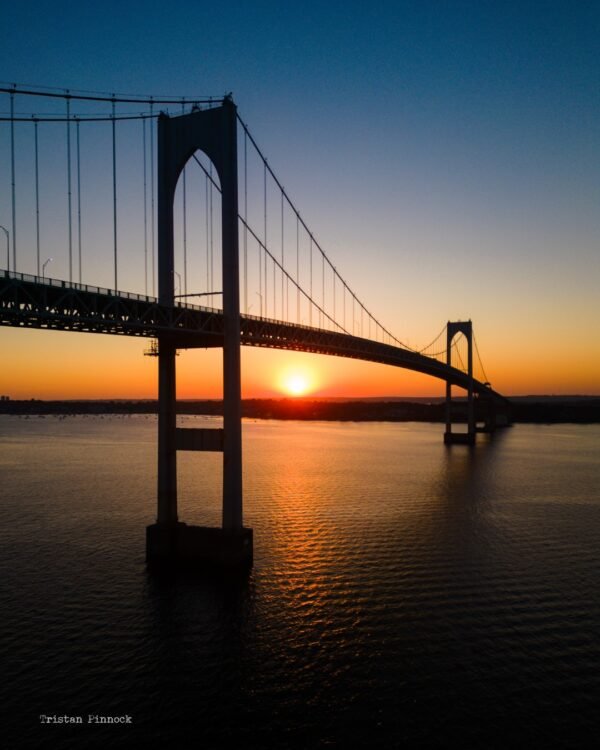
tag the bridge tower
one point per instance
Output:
(213, 131)
(452, 329)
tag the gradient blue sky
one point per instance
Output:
(446, 154)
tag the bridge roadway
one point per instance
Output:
(50, 304)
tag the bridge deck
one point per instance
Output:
(32, 302)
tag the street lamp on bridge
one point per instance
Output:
(48, 260)
(5, 230)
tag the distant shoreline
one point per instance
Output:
(529, 409)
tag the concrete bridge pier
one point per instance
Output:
(169, 541)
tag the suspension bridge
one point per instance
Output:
(173, 200)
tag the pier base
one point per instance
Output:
(198, 546)
(459, 438)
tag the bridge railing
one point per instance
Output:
(61, 284)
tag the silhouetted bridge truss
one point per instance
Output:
(29, 302)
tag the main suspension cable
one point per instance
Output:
(299, 217)
(46, 92)
(268, 253)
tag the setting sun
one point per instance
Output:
(296, 381)
(296, 385)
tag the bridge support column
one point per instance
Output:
(468, 437)
(167, 451)
(232, 382)
(213, 131)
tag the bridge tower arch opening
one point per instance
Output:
(468, 437)
(214, 132)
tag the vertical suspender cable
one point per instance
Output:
(265, 235)
(70, 216)
(114, 165)
(12, 179)
(298, 268)
(282, 261)
(79, 199)
(274, 284)
(259, 293)
(245, 222)
(260, 274)
(323, 289)
(153, 244)
(212, 288)
(184, 234)
(145, 210)
(334, 276)
(310, 286)
(37, 197)
(184, 221)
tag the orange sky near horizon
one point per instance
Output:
(60, 365)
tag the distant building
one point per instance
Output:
(4, 398)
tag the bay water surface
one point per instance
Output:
(403, 594)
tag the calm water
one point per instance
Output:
(404, 594)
